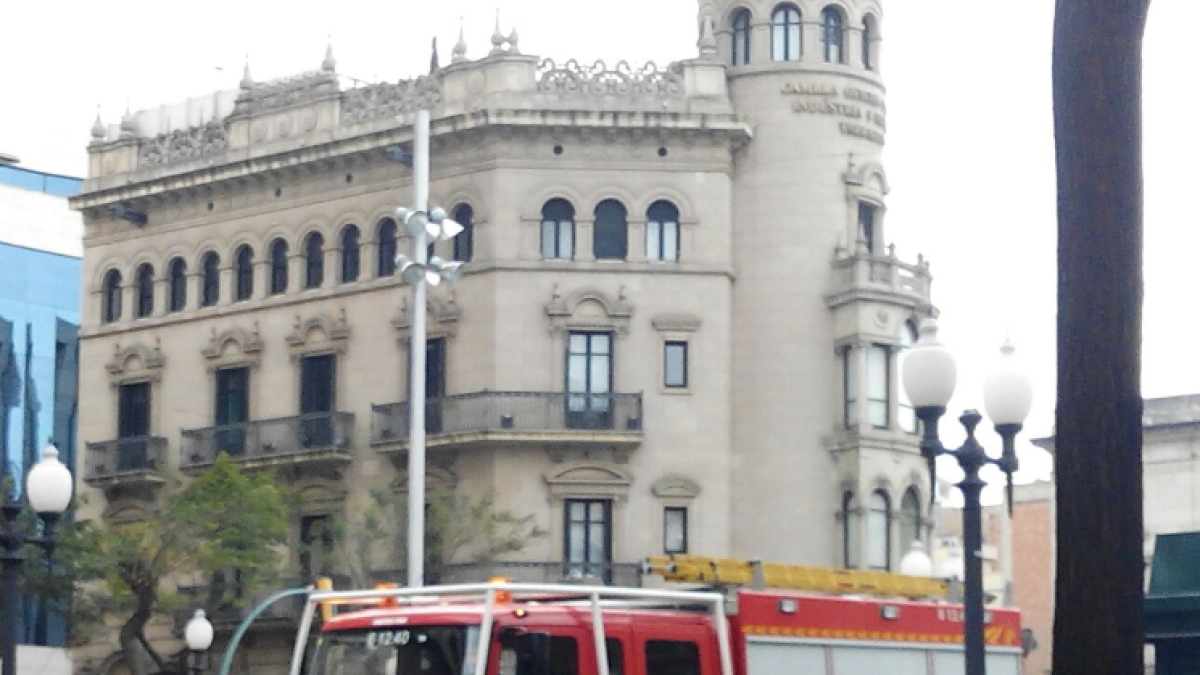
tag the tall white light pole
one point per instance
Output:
(421, 272)
(416, 371)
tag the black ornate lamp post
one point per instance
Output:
(198, 634)
(929, 378)
(48, 489)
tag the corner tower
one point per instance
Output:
(827, 467)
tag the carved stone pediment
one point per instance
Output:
(675, 487)
(233, 342)
(589, 309)
(676, 323)
(319, 329)
(136, 360)
(441, 317)
(588, 479)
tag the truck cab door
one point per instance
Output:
(675, 650)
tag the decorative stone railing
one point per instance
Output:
(884, 272)
(645, 81)
(364, 104)
(183, 145)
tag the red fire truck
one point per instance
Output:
(501, 628)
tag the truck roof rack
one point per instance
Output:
(763, 575)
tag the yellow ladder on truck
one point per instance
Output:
(754, 573)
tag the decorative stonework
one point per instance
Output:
(388, 100)
(248, 343)
(135, 360)
(675, 487)
(598, 79)
(285, 92)
(441, 318)
(676, 323)
(319, 329)
(588, 479)
(589, 309)
(184, 145)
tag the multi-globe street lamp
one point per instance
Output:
(198, 635)
(929, 378)
(421, 271)
(48, 489)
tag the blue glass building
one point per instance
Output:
(40, 267)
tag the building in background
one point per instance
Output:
(680, 328)
(41, 242)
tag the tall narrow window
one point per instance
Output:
(145, 290)
(316, 546)
(662, 232)
(741, 38)
(849, 387)
(385, 266)
(832, 35)
(318, 396)
(231, 410)
(177, 270)
(785, 33)
(314, 260)
(133, 426)
(866, 226)
(587, 541)
(558, 230)
(589, 380)
(279, 267)
(675, 364)
(879, 525)
(910, 519)
(350, 254)
(464, 243)
(879, 382)
(243, 261)
(868, 40)
(675, 530)
(610, 238)
(850, 537)
(210, 291)
(111, 302)
(908, 417)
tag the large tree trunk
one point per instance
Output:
(1098, 622)
(140, 657)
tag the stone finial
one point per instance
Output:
(329, 65)
(497, 38)
(99, 131)
(513, 41)
(433, 57)
(708, 40)
(247, 82)
(128, 123)
(460, 50)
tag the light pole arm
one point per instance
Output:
(931, 445)
(227, 662)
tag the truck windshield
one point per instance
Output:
(408, 650)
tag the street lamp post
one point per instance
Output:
(421, 271)
(48, 489)
(198, 634)
(929, 378)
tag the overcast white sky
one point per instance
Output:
(969, 156)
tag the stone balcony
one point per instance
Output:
(303, 440)
(861, 275)
(135, 462)
(506, 418)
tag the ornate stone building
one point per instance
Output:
(680, 327)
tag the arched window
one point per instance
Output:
(177, 270)
(850, 538)
(558, 230)
(740, 24)
(879, 525)
(350, 254)
(145, 290)
(868, 42)
(464, 243)
(386, 265)
(279, 267)
(244, 282)
(610, 238)
(314, 260)
(662, 232)
(111, 301)
(210, 292)
(832, 35)
(910, 519)
(785, 33)
(908, 338)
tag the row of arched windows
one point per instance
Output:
(312, 270)
(786, 36)
(610, 233)
(876, 518)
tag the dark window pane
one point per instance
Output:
(279, 267)
(866, 224)
(350, 254)
(316, 546)
(314, 260)
(672, 657)
(178, 285)
(558, 230)
(211, 291)
(832, 34)
(464, 243)
(244, 286)
(611, 236)
(675, 364)
(850, 541)
(386, 264)
(145, 290)
(564, 656)
(232, 409)
(111, 310)
(785, 34)
(741, 38)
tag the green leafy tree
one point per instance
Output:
(224, 519)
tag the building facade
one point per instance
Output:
(680, 327)
(41, 243)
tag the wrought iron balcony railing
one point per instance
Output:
(133, 460)
(269, 441)
(513, 413)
